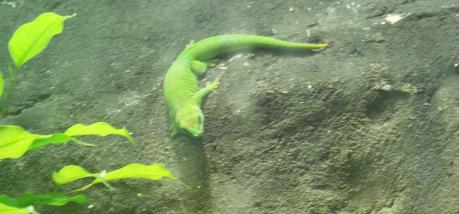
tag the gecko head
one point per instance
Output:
(191, 121)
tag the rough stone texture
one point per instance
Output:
(369, 125)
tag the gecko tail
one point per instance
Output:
(216, 45)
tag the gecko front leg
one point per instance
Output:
(199, 96)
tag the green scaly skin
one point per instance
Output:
(181, 92)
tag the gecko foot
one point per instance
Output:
(213, 85)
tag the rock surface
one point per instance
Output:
(369, 125)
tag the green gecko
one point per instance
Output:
(181, 92)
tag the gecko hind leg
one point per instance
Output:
(173, 127)
(173, 130)
(199, 68)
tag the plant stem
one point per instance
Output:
(101, 177)
(11, 84)
(110, 187)
(12, 74)
(81, 142)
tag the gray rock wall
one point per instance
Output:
(369, 125)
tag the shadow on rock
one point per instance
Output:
(192, 164)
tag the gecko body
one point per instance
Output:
(180, 87)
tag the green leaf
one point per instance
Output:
(155, 171)
(70, 173)
(56, 138)
(99, 129)
(15, 141)
(31, 38)
(53, 199)
(5, 209)
(63, 200)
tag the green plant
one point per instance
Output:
(15, 141)
(71, 173)
(15, 210)
(28, 41)
(32, 38)
(28, 200)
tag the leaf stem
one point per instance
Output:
(110, 187)
(81, 142)
(101, 176)
(12, 73)
(81, 189)
(11, 84)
